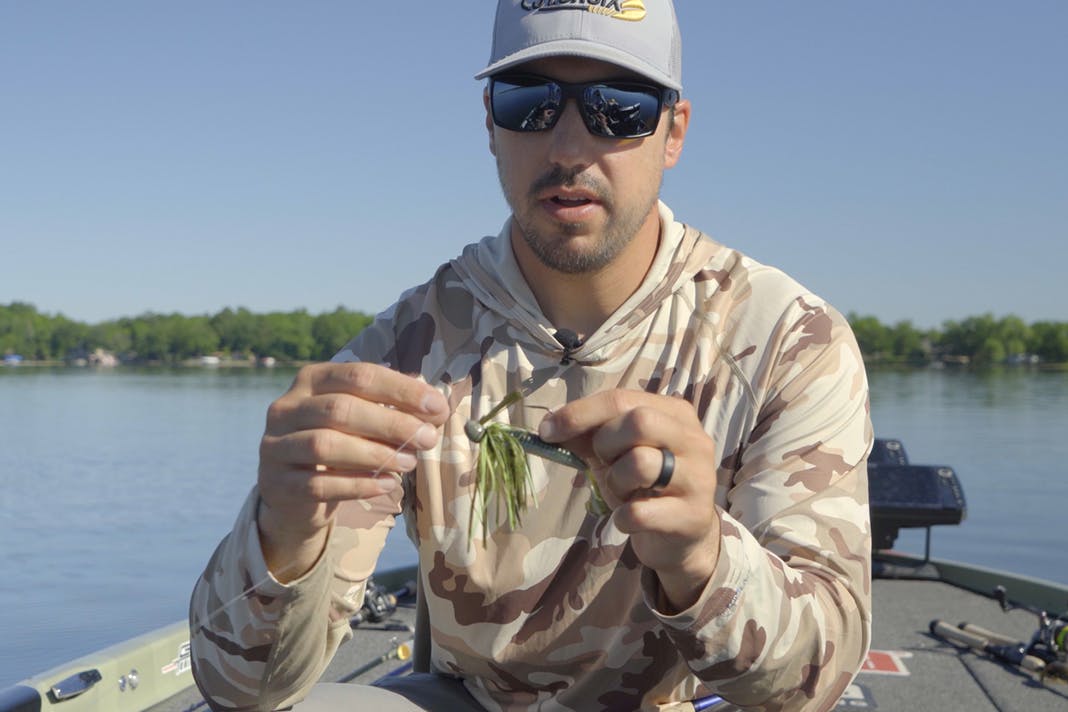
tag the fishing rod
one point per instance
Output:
(712, 702)
(1045, 654)
(379, 604)
(401, 651)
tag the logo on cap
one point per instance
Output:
(631, 10)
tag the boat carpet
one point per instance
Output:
(941, 676)
(909, 669)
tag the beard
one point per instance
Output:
(558, 250)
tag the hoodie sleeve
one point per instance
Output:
(258, 644)
(784, 623)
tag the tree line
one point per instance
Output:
(980, 340)
(173, 338)
(300, 336)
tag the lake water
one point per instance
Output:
(115, 487)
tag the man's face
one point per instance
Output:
(578, 200)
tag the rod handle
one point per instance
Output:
(952, 633)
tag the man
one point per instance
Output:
(721, 407)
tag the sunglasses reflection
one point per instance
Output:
(604, 116)
(542, 116)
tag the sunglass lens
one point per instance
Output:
(525, 107)
(622, 111)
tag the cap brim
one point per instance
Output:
(586, 49)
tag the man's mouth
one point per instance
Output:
(570, 202)
(569, 197)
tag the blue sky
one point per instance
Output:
(903, 159)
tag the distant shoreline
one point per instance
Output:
(238, 365)
(235, 364)
(236, 337)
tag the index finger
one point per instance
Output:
(377, 384)
(582, 416)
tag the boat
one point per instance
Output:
(946, 635)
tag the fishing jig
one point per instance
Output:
(502, 467)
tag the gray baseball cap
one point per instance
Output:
(640, 35)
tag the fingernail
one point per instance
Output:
(405, 461)
(547, 429)
(387, 483)
(426, 436)
(434, 403)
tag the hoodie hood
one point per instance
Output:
(489, 270)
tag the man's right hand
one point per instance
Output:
(327, 440)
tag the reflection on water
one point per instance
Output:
(115, 486)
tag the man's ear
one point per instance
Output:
(677, 133)
(489, 121)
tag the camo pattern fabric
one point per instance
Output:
(557, 613)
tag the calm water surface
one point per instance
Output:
(115, 487)
(1005, 433)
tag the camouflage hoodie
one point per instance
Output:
(558, 614)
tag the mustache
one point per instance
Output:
(560, 177)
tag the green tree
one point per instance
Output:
(1049, 340)
(990, 352)
(909, 344)
(1014, 335)
(333, 330)
(67, 337)
(191, 336)
(238, 330)
(286, 336)
(875, 340)
(970, 336)
(111, 336)
(150, 337)
(25, 331)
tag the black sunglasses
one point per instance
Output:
(610, 109)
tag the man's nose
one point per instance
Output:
(571, 143)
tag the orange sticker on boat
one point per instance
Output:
(886, 662)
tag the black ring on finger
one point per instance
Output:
(667, 469)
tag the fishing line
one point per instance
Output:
(251, 589)
(528, 443)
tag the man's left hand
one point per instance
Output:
(674, 529)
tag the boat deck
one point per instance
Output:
(936, 675)
(908, 669)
